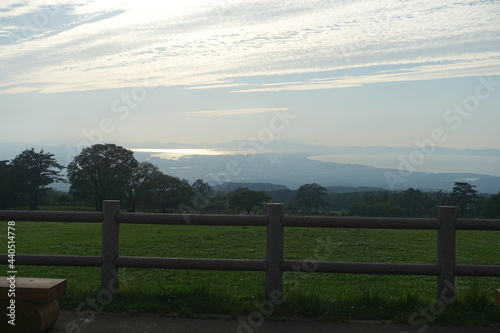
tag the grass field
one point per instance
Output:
(307, 295)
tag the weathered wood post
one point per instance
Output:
(110, 238)
(446, 254)
(274, 249)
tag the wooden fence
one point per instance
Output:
(274, 265)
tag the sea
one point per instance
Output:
(487, 165)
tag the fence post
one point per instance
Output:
(110, 237)
(274, 250)
(446, 254)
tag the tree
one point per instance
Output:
(203, 194)
(6, 188)
(202, 188)
(414, 203)
(246, 199)
(384, 208)
(101, 172)
(33, 172)
(463, 194)
(411, 195)
(492, 207)
(218, 204)
(144, 180)
(439, 198)
(171, 192)
(311, 196)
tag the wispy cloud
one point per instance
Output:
(69, 45)
(234, 112)
(480, 65)
(217, 86)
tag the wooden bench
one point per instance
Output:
(498, 297)
(36, 306)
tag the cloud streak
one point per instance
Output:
(85, 45)
(234, 112)
(480, 65)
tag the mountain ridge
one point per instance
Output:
(289, 167)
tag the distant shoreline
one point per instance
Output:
(486, 165)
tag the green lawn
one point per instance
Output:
(312, 295)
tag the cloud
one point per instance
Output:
(212, 44)
(233, 112)
(481, 66)
(216, 86)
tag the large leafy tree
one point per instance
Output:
(463, 195)
(33, 172)
(101, 172)
(247, 199)
(141, 184)
(311, 196)
(202, 188)
(203, 193)
(171, 192)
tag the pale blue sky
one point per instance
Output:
(349, 73)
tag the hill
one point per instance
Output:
(292, 164)
(231, 186)
(293, 170)
(351, 189)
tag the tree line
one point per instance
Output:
(408, 203)
(111, 172)
(108, 171)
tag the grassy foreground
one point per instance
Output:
(307, 295)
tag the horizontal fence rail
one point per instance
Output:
(360, 268)
(43, 216)
(478, 224)
(53, 260)
(275, 264)
(193, 219)
(477, 270)
(360, 222)
(183, 263)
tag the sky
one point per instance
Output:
(338, 73)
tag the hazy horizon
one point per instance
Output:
(437, 160)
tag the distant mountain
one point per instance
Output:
(294, 169)
(288, 163)
(350, 189)
(227, 187)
